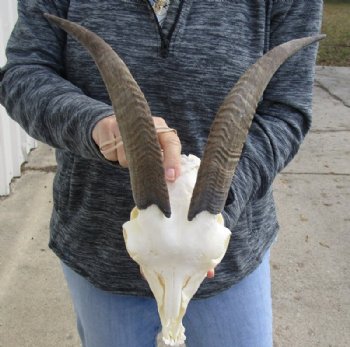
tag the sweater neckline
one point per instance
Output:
(171, 23)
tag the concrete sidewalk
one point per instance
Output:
(310, 261)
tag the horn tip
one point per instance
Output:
(320, 37)
(48, 15)
(51, 18)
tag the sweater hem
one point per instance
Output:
(206, 293)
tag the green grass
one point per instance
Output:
(335, 49)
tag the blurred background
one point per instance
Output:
(335, 50)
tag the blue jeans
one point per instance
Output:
(238, 317)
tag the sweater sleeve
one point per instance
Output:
(283, 116)
(33, 88)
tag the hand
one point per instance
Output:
(107, 130)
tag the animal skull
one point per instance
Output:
(175, 254)
(177, 240)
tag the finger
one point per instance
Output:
(211, 273)
(170, 143)
(121, 156)
(171, 146)
(108, 148)
(172, 155)
(110, 153)
(105, 135)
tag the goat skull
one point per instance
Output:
(175, 252)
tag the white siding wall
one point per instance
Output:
(15, 144)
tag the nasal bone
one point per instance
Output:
(172, 299)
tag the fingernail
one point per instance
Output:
(170, 174)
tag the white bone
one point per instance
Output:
(174, 254)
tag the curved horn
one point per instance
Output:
(134, 119)
(230, 129)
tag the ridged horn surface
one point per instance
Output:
(230, 129)
(134, 119)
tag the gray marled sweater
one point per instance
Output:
(52, 88)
